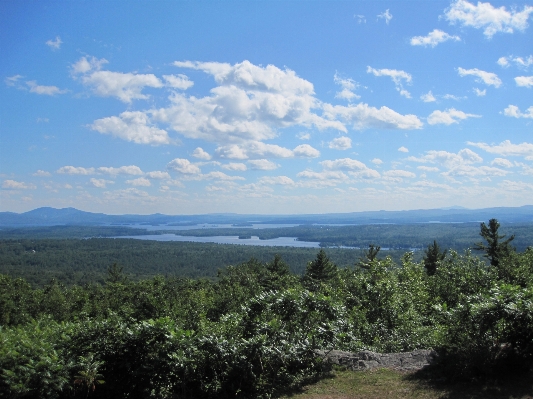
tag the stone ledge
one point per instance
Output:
(367, 360)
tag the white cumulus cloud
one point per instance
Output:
(132, 126)
(489, 78)
(100, 183)
(403, 149)
(449, 116)
(179, 81)
(486, 16)
(46, 90)
(183, 166)
(141, 181)
(236, 166)
(433, 38)
(428, 97)
(514, 111)
(280, 180)
(42, 173)
(158, 175)
(348, 86)
(502, 162)
(506, 148)
(17, 185)
(262, 164)
(201, 154)
(75, 170)
(524, 81)
(54, 44)
(340, 143)
(397, 76)
(123, 170)
(363, 116)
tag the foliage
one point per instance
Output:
(433, 257)
(495, 250)
(255, 330)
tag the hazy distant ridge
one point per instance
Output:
(70, 216)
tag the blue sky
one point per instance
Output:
(265, 106)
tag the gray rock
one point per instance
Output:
(367, 360)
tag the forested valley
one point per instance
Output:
(252, 329)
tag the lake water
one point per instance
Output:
(254, 240)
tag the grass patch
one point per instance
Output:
(390, 384)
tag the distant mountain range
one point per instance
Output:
(70, 216)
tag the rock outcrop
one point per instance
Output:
(367, 360)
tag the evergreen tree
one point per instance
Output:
(433, 257)
(495, 250)
(321, 269)
(369, 256)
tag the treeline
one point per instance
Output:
(459, 236)
(254, 332)
(75, 261)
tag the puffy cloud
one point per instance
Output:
(449, 116)
(46, 90)
(519, 61)
(305, 151)
(280, 180)
(489, 78)
(503, 62)
(158, 175)
(502, 162)
(362, 116)
(340, 143)
(201, 154)
(12, 80)
(428, 97)
(480, 93)
(487, 17)
(346, 164)
(433, 38)
(348, 86)
(524, 81)
(141, 181)
(184, 166)
(54, 44)
(41, 173)
(123, 170)
(259, 150)
(449, 159)
(397, 77)
(387, 16)
(73, 170)
(132, 126)
(179, 81)
(249, 104)
(263, 164)
(506, 148)
(100, 183)
(237, 166)
(397, 173)
(514, 111)
(354, 168)
(403, 149)
(377, 161)
(84, 65)
(124, 86)
(17, 185)
(472, 171)
(452, 97)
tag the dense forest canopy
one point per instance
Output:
(254, 330)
